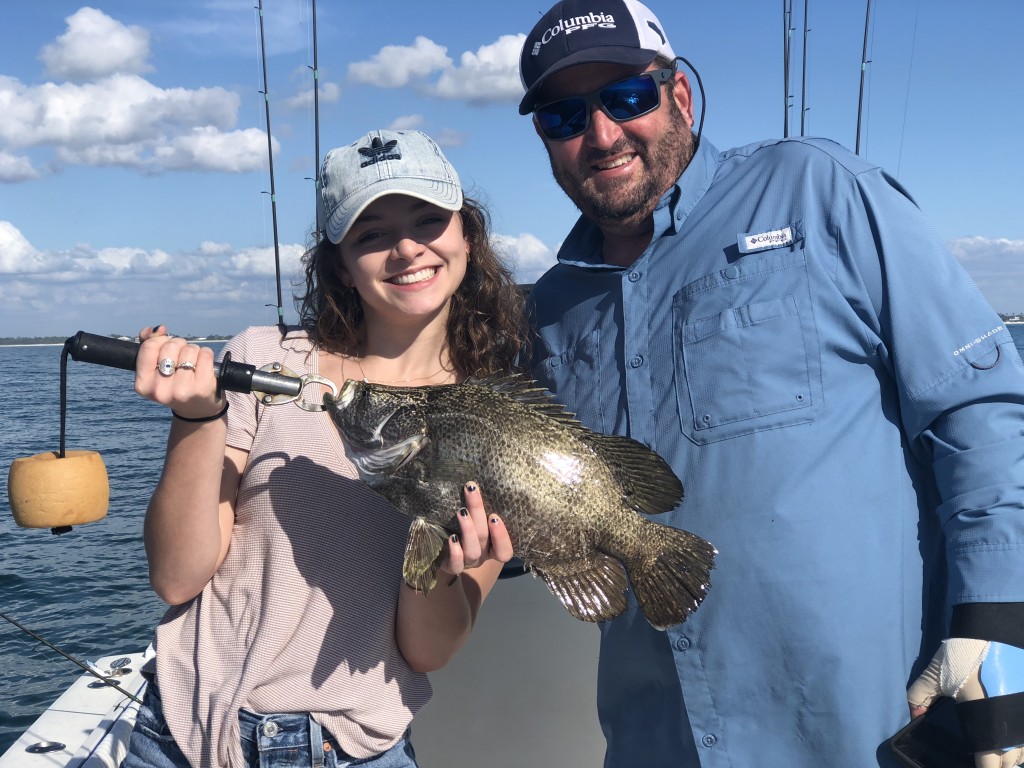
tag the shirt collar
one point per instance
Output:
(582, 246)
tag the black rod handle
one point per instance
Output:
(236, 377)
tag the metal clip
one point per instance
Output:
(310, 378)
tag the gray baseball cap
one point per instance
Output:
(382, 163)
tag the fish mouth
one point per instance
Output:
(411, 278)
(347, 394)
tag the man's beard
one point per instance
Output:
(633, 199)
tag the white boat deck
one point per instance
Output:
(88, 726)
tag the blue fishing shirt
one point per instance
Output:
(846, 414)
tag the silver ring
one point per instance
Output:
(165, 367)
(186, 366)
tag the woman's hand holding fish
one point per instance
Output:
(432, 627)
(482, 538)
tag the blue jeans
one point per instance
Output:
(290, 740)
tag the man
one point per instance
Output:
(844, 409)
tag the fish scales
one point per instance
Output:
(574, 501)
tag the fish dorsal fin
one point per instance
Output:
(525, 390)
(648, 483)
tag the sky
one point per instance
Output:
(134, 162)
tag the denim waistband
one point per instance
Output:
(284, 734)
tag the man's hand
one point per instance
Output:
(971, 670)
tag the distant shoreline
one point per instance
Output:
(61, 343)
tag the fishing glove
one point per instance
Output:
(981, 666)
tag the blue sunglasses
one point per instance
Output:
(625, 100)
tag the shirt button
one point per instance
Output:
(682, 644)
(634, 276)
(271, 729)
(731, 273)
(679, 216)
(709, 740)
(636, 362)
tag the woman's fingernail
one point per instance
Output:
(471, 487)
(494, 520)
(455, 538)
(463, 512)
(156, 327)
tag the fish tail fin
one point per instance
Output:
(671, 575)
(424, 552)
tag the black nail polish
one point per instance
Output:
(455, 538)
(463, 512)
(494, 520)
(156, 327)
(470, 487)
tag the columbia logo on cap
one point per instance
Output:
(574, 24)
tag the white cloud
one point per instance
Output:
(527, 255)
(95, 46)
(101, 112)
(116, 110)
(997, 267)
(395, 66)
(208, 149)
(328, 93)
(213, 288)
(259, 262)
(449, 137)
(15, 168)
(406, 123)
(17, 256)
(490, 75)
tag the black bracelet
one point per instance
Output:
(204, 418)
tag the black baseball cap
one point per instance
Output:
(589, 31)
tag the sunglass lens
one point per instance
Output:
(630, 98)
(623, 101)
(563, 119)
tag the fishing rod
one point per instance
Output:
(803, 78)
(864, 61)
(106, 680)
(787, 10)
(270, 156)
(316, 128)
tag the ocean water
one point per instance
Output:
(87, 591)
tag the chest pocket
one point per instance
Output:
(746, 350)
(574, 375)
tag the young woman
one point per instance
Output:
(291, 638)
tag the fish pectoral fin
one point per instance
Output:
(391, 458)
(424, 552)
(591, 590)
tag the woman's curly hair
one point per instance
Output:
(486, 331)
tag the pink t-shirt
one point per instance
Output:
(300, 617)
